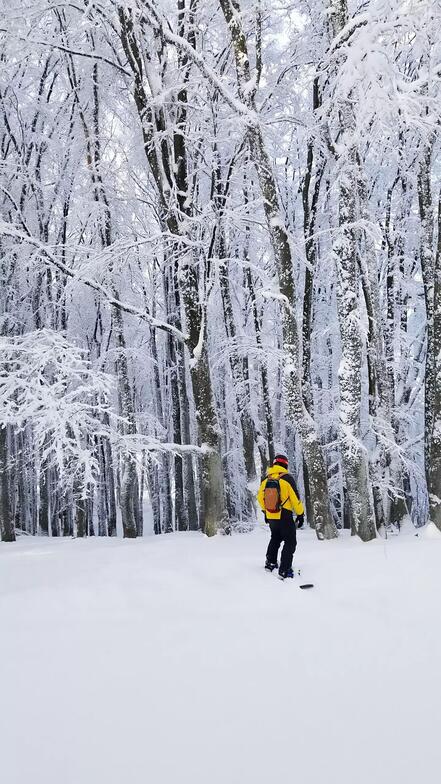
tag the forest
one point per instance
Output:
(220, 236)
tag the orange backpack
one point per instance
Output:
(271, 496)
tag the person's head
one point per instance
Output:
(281, 460)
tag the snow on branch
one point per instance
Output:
(136, 444)
(155, 21)
(360, 20)
(47, 383)
(50, 259)
(61, 48)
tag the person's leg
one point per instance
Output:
(275, 542)
(290, 544)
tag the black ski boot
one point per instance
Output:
(269, 567)
(283, 575)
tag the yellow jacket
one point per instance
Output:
(288, 494)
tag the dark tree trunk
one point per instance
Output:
(6, 522)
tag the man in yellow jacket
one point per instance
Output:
(278, 498)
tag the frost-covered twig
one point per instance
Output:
(49, 258)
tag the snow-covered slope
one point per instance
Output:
(178, 660)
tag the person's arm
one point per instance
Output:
(260, 495)
(293, 497)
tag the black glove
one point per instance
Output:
(300, 521)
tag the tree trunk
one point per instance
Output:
(6, 521)
(166, 175)
(354, 454)
(246, 422)
(431, 271)
(434, 473)
(267, 452)
(310, 206)
(189, 474)
(172, 360)
(427, 268)
(355, 459)
(292, 383)
(296, 409)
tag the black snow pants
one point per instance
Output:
(283, 530)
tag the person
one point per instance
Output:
(279, 500)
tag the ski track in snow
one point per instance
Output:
(177, 659)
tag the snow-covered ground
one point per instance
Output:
(178, 660)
